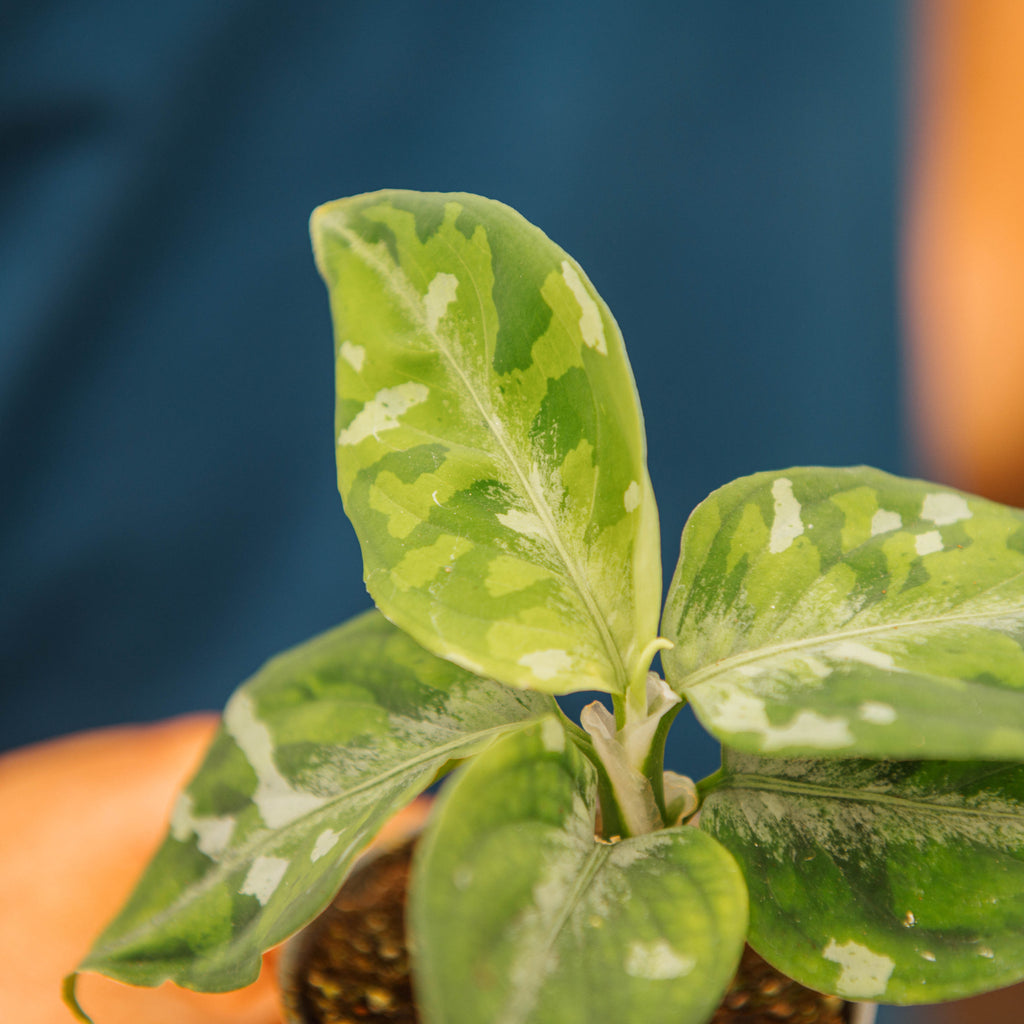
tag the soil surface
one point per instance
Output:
(357, 964)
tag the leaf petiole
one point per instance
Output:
(636, 692)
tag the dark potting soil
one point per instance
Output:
(356, 964)
(356, 967)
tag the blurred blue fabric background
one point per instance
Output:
(726, 173)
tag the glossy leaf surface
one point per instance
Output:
(490, 446)
(518, 915)
(899, 882)
(849, 611)
(314, 754)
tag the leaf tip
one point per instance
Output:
(317, 232)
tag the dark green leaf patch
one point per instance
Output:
(901, 882)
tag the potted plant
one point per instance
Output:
(853, 639)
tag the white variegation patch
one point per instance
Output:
(876, 712)
(213, 833)
(264, 877)
(883, 521)
(740, 712)
(325, 842)
(552, 736)
(810, 729)
(631, 499)
(743, 712)
(852, 650)
(591, 325)
(354, 355)
(546, 664)
(944, 509)
(864, 974)
(928, 543)
(440, 294)
(522, 522)
(787, 524)
(382, 412)
(657, 961)
(278, 802)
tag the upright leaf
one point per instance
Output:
(314, 754)
(850, 611)
(895, 881)
(519, 916)
(490, 445)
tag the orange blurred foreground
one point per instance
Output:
(81, 816)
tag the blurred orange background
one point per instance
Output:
(964, 245)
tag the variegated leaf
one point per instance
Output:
(894, 881)
(314, 754)
(490, 446)
(518, 916)
(851, 612)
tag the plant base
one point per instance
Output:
(351, 965)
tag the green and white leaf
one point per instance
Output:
(519, 916)
(315, 752)
(851, 612)
(490, 444)
(899, 882)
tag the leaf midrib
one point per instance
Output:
(809, 789)
(709, 672)
(518, 1010)
(236, 857)
(413, 304)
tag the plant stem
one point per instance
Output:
(636, 693)
(707, 786)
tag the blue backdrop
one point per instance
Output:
(726, 173)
